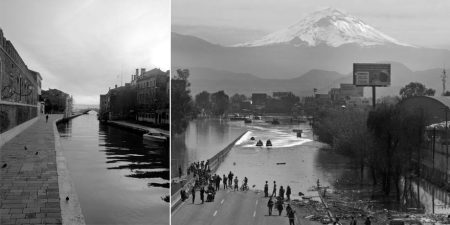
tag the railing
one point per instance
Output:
(214, 163)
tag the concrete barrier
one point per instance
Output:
(214, 163)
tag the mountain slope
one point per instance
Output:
(329, 27)
(211, 80)
(286, 61)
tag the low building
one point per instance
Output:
(19, 96)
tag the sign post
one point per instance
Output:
(372, 75)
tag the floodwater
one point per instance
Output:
(297, 162)
(202, 139)
(119, 178)
(294, 161)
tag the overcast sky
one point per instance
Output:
(82, 47)
(418, 22)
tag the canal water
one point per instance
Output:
(119, 178)
(297, 162)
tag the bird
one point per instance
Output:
(25, 147)
(36, 153)
(4, 165)
(300, 194)
(67, 198)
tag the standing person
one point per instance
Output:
(218, 179)
(274, 192)
(288, 209)
(270, 205)
(202, 194)
(225, 182)
(236, 186)
(180, 172)
(288, 193)
(246, 183)
(367, 222)
(353, 221)
(280, 207)
(46, 118)
(193, 194)
(291, 216)
(266, 190)
(281, 193)
(230, 179)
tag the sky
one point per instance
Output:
(416, 22)
(83, 47)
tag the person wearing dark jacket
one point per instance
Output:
(291, 216)
(270, 205)
(266, 190)
(288, 193)
(280, 207)
(281, 192)
(202, 194)
(193, 194)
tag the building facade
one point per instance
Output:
(19, 86)
(152, 96)
(144, 99)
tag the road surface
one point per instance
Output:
(229, 207)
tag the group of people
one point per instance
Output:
(279, 200)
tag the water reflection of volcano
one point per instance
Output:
(127, 151)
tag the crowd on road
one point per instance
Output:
(208, 184)
(280, 200)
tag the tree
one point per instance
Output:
(219, 102)
(447, 93)
(237, 98)
(202, 100)
(181, 107)
(416, 89)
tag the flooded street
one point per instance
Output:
(293, 161)
(119, 178)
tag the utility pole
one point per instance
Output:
(446, 145)
(444, 80)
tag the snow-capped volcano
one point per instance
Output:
(330, 27)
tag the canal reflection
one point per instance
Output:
(119, 178)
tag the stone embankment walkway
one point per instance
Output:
(29, 191)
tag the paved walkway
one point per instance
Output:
(231, 207)
(29, 183)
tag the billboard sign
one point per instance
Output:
(371, 74)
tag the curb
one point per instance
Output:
(70, 210)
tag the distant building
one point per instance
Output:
(279, 95)
(152, 96)
(118, 104)
(145, 98)
(259, 99)
(345, 92)
(19, 92)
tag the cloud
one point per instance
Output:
(84, 47)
